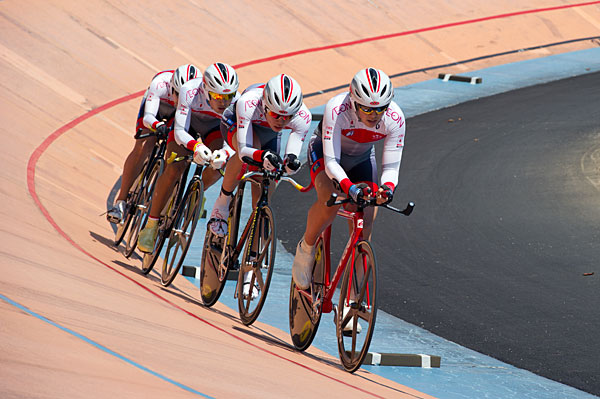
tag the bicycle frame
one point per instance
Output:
(331, 284)
(232, 237)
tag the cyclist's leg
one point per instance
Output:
(319, 216)
(162, 192)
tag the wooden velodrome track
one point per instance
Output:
(76, 318)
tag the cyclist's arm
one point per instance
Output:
(183, 116)
(299, 124)
(332, 146)
(155, 91)
(393, 146)
(245, 139)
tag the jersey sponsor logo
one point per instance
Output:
(304, 115)
(249, 104)
(182, 110)
(316, 166)
(191, 94)
(343, 107)
(395, 116)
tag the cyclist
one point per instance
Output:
(253, 127)
(201, 104)
(342, 146)
(158, 103)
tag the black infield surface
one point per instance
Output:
(502, 252)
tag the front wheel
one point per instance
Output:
(256, 267)
(164, 227)
(182, 233)
(357, 307)
(306, 306)
(142, 207)
(213, 268)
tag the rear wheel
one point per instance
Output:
(142, 207)
(357, 306)
(182, 233)
(132, 199)
(306, 306)
(256, 266)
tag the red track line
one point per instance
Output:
(411, 32)
(31, 165)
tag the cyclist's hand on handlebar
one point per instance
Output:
(384, 195)
(202, 154)
(359, 192)
(219, 158)
(161, 130)
(292, 164)
(271, 160)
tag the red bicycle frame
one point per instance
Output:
(357, 221)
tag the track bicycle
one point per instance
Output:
(258, 240)
(140, 194)
(172, 216)
(357, 270)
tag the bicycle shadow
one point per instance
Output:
(110, 243)
(272, 340)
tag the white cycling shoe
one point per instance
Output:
(218, 221)
(302, 266)
(219, 215)
(247, 283)
(115, 214)
(347, 330)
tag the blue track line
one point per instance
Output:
(102, 347)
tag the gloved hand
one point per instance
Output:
(292, 164)
(358, 192)
(219, 158)
(385, 193)
(271, 160)
(161, 130)
(202, 154)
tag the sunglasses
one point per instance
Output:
(370, 110)
(275, 115)
(217, 96)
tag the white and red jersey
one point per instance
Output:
(343, 133)
(193, 110)
(250, 111)
(158, 91)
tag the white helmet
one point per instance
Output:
(181, 75)
(372, 88)
(221, 78)
(283, 95)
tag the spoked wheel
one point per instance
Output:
(357, 308)
(306, 306)
(142, 207)
(132, 199)
(150, 259)
(256, 267)
(182, 233)
(217, 258)
(213, 268)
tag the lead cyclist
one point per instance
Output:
(341, 154)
